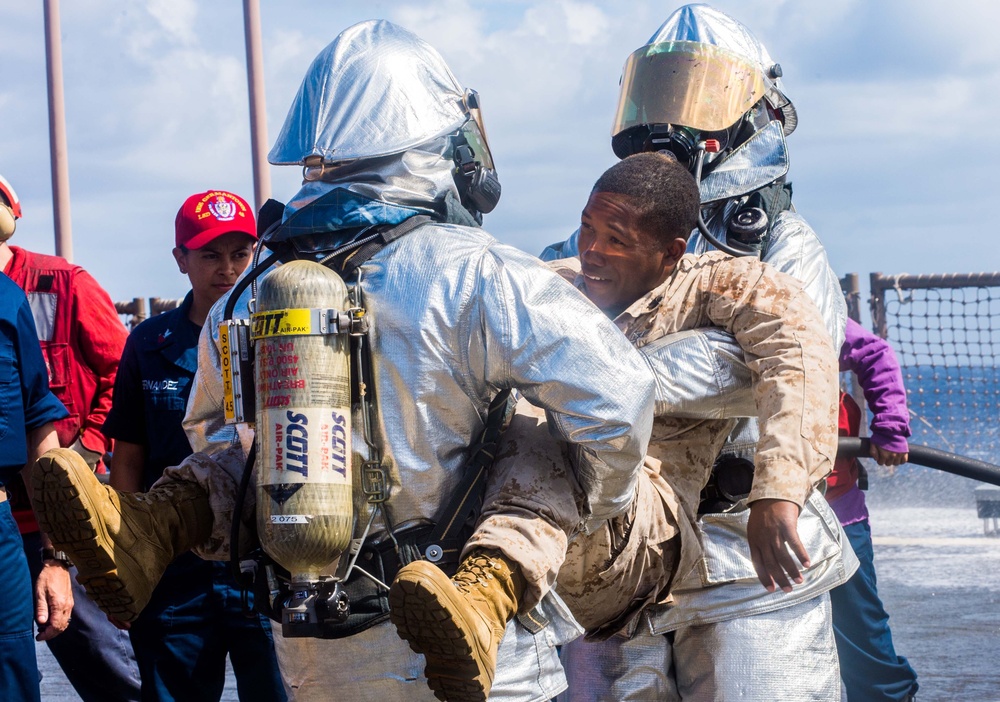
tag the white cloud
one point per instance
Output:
(176, 17)
(586, 23)
(453, 27)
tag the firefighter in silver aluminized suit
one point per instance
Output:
(724, 635)
(456, 317)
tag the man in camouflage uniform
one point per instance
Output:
(633, 266)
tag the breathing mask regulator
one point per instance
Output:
(747, 230)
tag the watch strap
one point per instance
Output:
(50, 554)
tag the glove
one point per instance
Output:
(91, 457)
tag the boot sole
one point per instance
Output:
(68, 522)
(422, 611)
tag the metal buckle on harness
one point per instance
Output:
(357, 321)
(374, 482)
(352, 321)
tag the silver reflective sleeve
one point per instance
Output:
(543, 337)
(796, 250)
(700, 374)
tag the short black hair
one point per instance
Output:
(664, 191)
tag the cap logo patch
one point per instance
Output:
(222, 208)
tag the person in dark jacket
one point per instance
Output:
(196, 615)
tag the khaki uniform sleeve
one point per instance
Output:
(790, 356)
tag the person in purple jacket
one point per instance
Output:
(870, 669)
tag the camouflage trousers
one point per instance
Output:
(219, 475)
(532, 513)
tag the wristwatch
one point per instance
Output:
(50, 554)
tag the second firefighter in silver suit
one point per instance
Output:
(724, 636)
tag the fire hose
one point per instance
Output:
(849, 447)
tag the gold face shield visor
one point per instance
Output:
(686, 83)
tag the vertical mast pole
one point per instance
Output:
(258, 115)
(58, 151)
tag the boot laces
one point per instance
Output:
(477, 570)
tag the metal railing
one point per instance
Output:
(135, 310)
(881, 283)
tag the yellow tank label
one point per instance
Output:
(304, 445)
(228, 403)
(290, 322)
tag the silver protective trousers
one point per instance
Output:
(784, 656)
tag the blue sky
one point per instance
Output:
(894, 162)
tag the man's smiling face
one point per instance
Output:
(620, 261)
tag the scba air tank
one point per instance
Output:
(303, 381)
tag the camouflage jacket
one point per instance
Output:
(788, 351)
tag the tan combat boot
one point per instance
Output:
(457, 623)
(120, 542)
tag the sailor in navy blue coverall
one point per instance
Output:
(27, 410)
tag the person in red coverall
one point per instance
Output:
(82, 340)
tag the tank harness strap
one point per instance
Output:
(245, 578)
(451, 529)
(773, 199)
(356, 258)
(467, 497)
(440, 542)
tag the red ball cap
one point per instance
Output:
(11, 197)
(208, 215)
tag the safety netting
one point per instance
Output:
(946, 333)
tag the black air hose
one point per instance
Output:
(850, 447)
